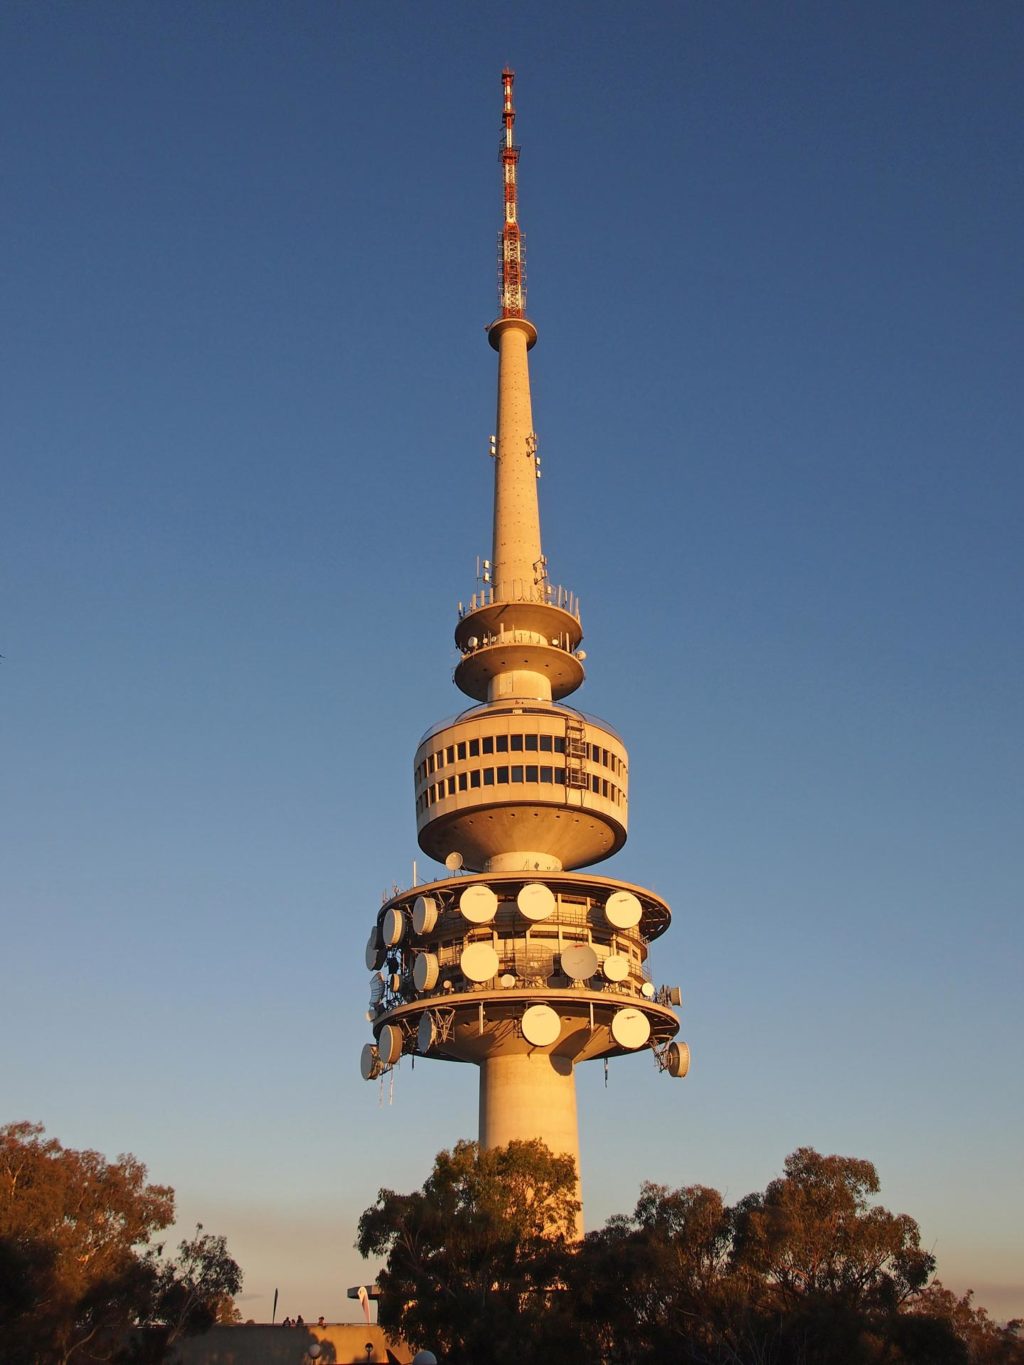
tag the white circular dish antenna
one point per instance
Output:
(647, 990)
(424, 914)
(395, 984)
(579, 962)
(393, 927)
(615, 967)
(424, 1358)
(675, 995)
(425, 971)
(622, 910)
(478, 904)
(389, 1044)
(426, 1034)
(677, 1059)
(507, 981)
(479, 962)
(536, 901)
(369, 1062)
(376, 988)
(541, 1025)
(374, 953)
(630, 1028)
(453, 862)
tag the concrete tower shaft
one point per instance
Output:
(518, 564)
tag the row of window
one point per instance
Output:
(503, 744)
(515, 772)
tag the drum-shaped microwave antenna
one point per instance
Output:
(478, 904)
(426, 1034)
(425, 972)
(579, 962)
(389, 1044)
(369, 1062)
(393, 927)
(615, 967)
(630, 1028)
(541, 1025)
(479, 962)
(374, 952)
(424, 914)
(677, 1059)
(622, 910)
(536, 901)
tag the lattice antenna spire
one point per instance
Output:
(511, 246)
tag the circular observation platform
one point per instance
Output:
(502, 325)
(532, 784)
(508, 637)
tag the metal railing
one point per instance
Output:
(523, 590)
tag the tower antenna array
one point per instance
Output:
(511, 246)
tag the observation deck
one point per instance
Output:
(522, 785)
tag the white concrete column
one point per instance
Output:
(530, 1095)
(516, 548)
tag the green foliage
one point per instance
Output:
(814, 1233)
(474, 1257)
(810, 1272)
(79, 1280)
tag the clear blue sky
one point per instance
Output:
(774, 257)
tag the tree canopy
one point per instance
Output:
(473, 1257)
(812, 1271)
(80, 1277)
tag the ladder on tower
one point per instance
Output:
(576, 754)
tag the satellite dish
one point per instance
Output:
(424, 914)
(507, 981)
(424, 1358)
(479, 962)
(314, 1351)
(677, 1059)
(369, 1062)
(647, 990)
(675, 995)
(622, 910)
(374, 953)
(472, 642)
(389, 1044)
(541, 1025)
(454, 861)
(579, 962)
(426, 1034)
(615, 967)
(536, 901)
(395, 984)
(393, 927)
(630, 1028)
(425, 971)
(478, 903)
(376, 988)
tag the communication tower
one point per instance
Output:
(518, 961)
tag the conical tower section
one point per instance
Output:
(517, 961)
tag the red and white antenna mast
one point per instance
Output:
(511, 247)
